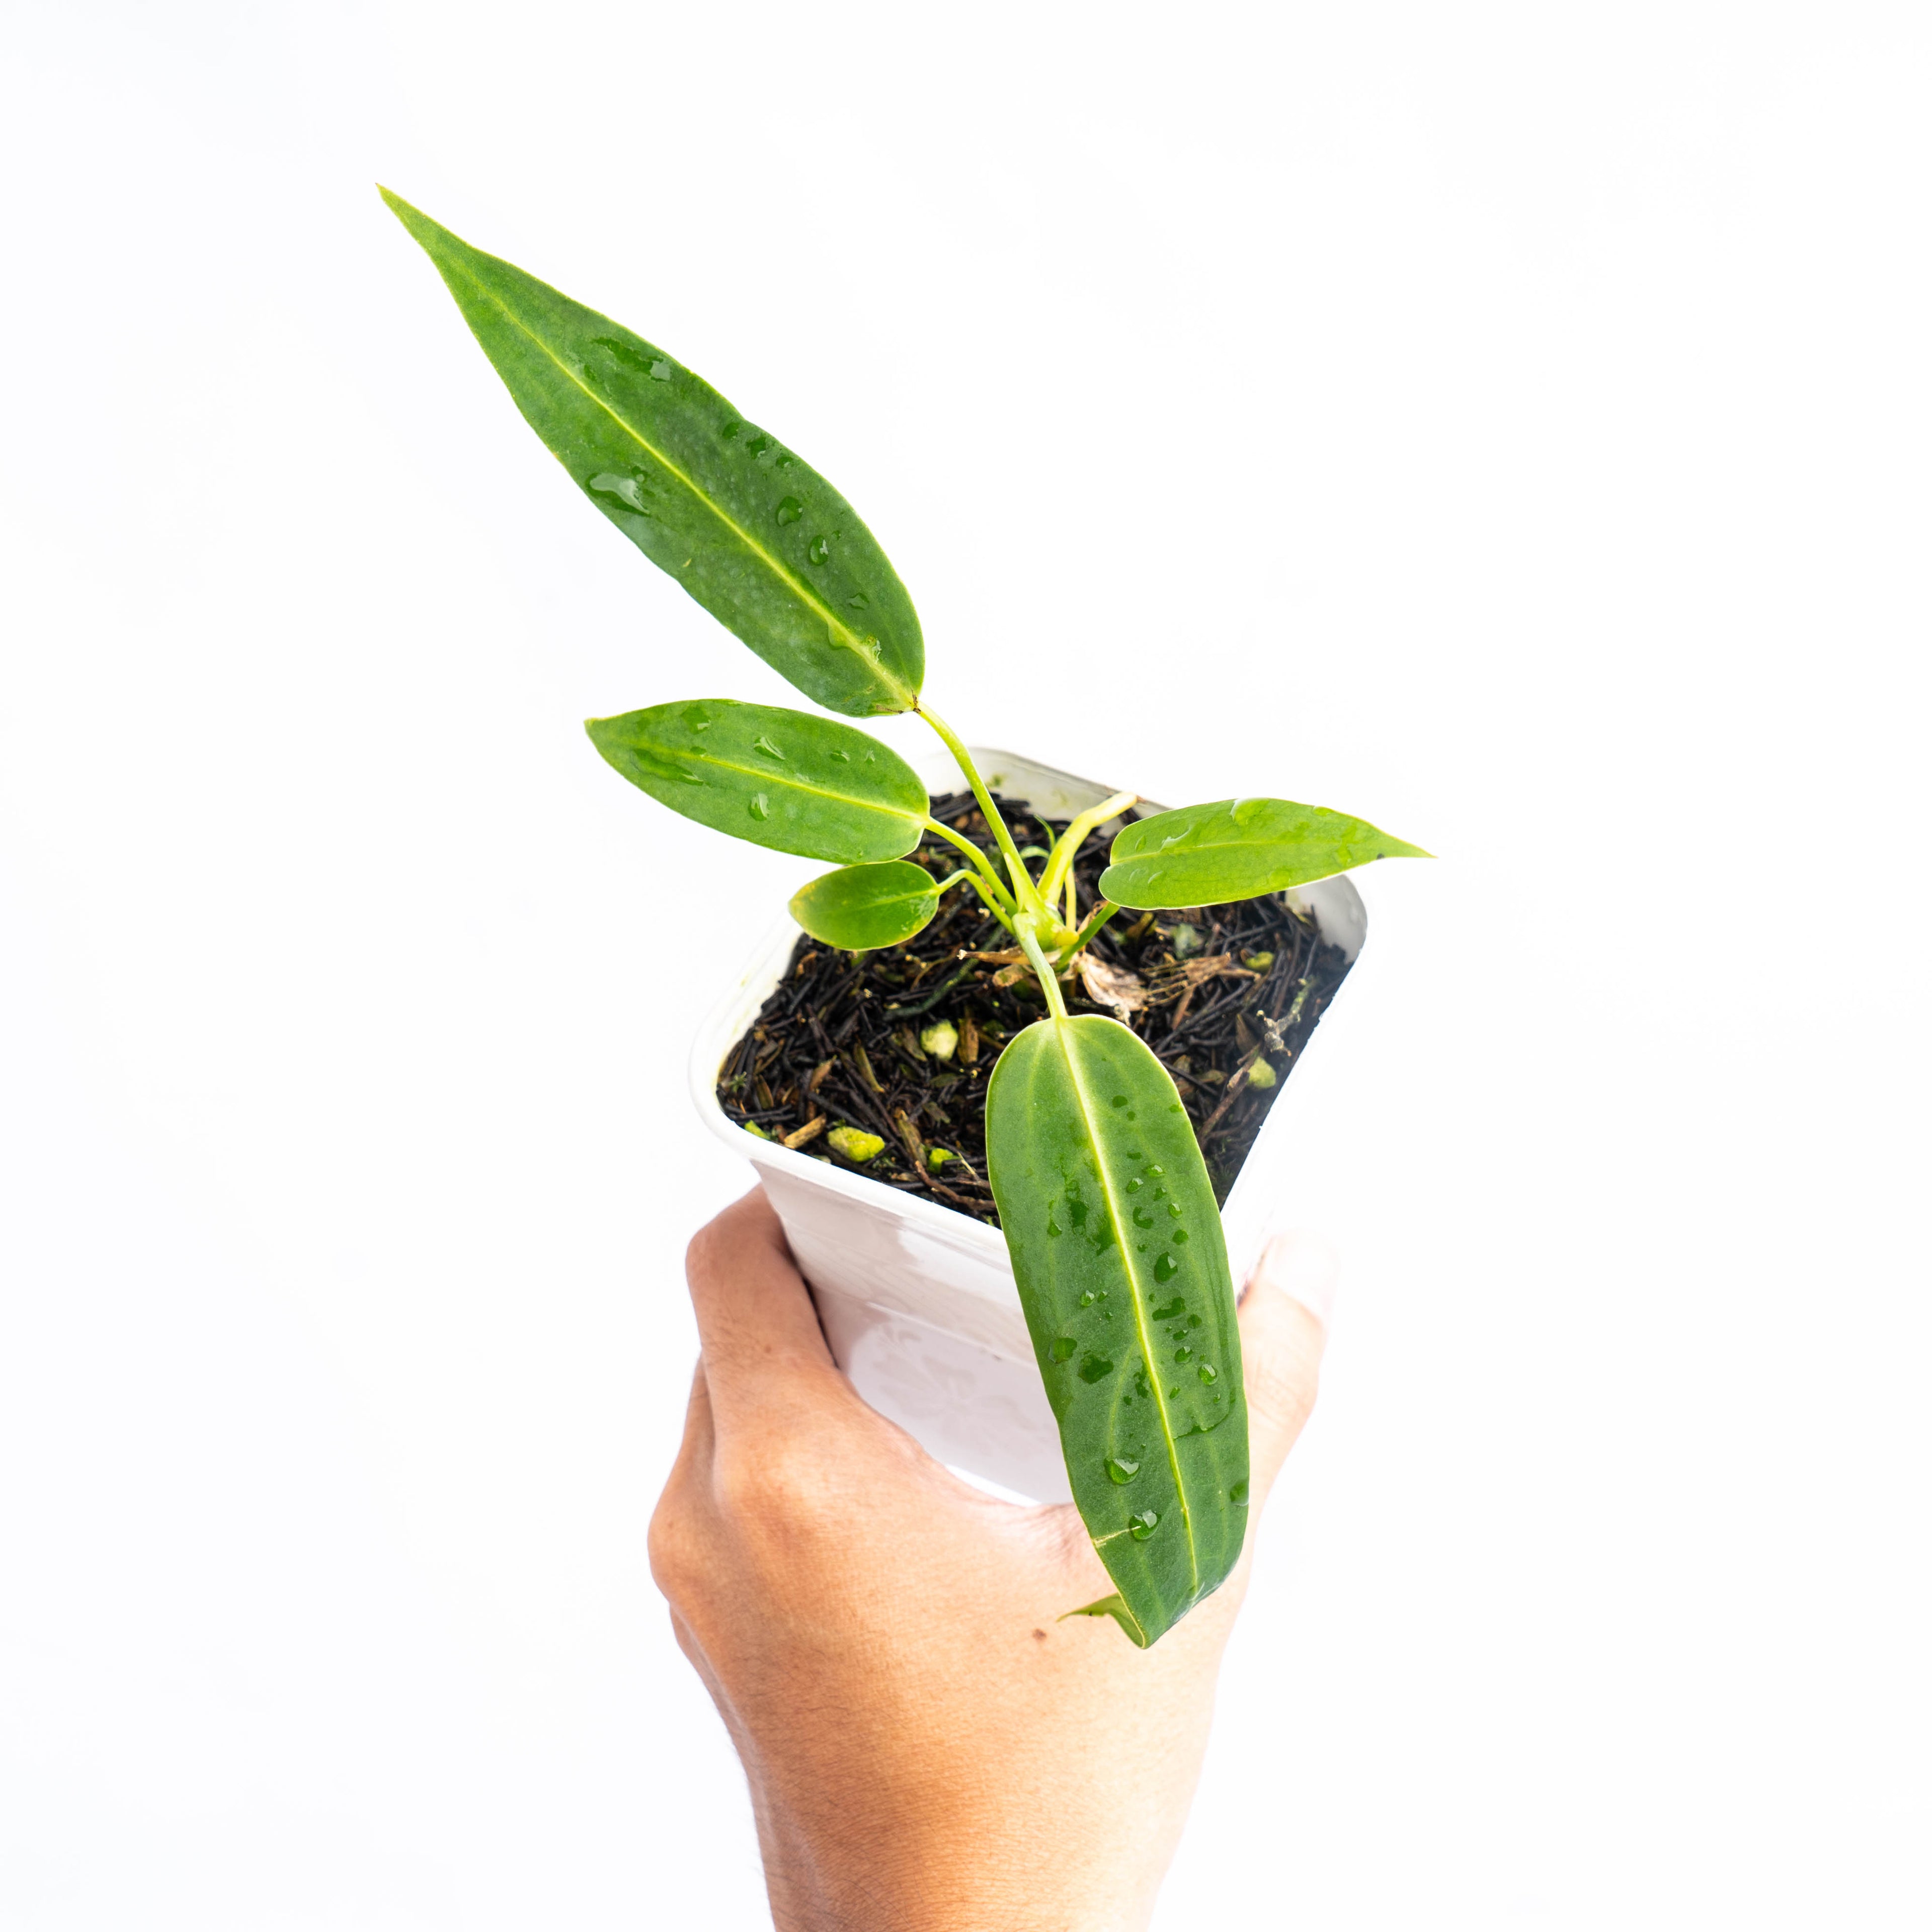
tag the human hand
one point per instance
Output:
(929, 1748)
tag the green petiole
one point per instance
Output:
(1024, 891)
(1066, 847)
(999, 895)
(1096, 919)
(1023, 931)
(1000, 912)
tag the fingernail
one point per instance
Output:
(1306, 1266)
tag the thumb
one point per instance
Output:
(1284, 1318)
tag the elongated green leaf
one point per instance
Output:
(866, 906)
(1116, 1245)
(779, 778)
(1238, 848)
(759, 538)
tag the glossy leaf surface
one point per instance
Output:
(751, 530)
(1116, 1245)
(862, 907)
(779, 778)
(1238, 848)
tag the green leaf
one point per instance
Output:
(759, 538)
(1116, 1247)
(779, 778)
(1116, 1607)
(862, 907)
(1238, 848)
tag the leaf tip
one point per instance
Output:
(1116, 1607)
(418, 224)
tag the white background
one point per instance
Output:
(1509, 422)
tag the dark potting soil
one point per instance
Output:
(1217, 992)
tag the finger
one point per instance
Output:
(755, 1320)
(1284, 1328)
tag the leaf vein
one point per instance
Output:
(1062, 1029)
(914, 818)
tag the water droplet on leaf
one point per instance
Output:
(761, 806)
(819, 549)
(1143, 1525)
(1063, 1346)
(1207, 1371)
(1122, 1468)
(1167, 1267)
(791, 510)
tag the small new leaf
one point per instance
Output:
(862, 907)
(779, 778)
(1239, 848)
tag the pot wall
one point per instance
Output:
(918, 1302)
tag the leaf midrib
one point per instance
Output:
(1064, 1033)
(911, 818)
(778, 567)
(1203, 845)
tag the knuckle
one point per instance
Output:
(758, 1484)
(671, 1544)
(781, 1491)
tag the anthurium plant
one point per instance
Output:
(1103, 1196)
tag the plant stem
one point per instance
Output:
(1001, 908)
(1096, 919)
(1024, 890)
(1066, 847)
(1024, 932)
(978, 857)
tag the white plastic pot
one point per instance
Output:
(917, 1301)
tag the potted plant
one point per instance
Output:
(1056, 1124)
